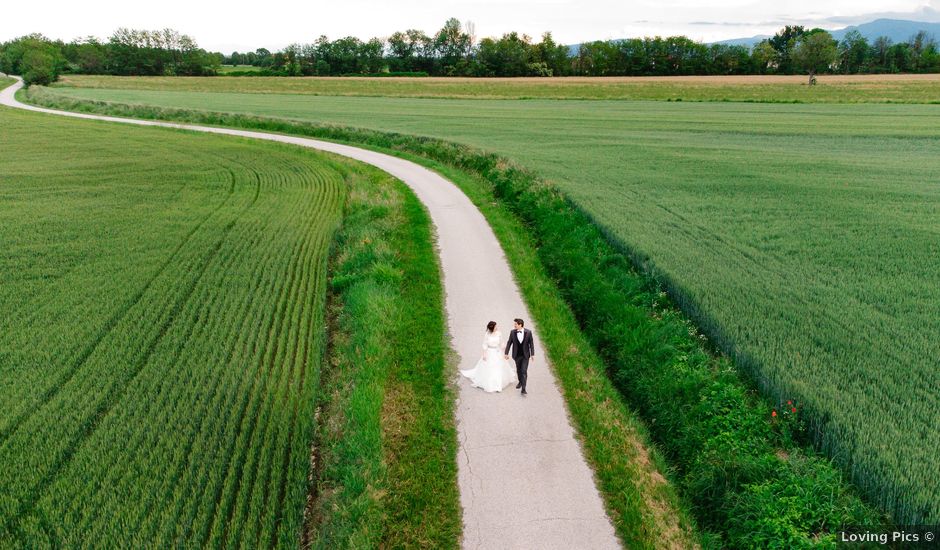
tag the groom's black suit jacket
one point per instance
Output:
(525, 349)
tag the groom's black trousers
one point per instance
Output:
(522, 369)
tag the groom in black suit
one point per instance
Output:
(523, 351)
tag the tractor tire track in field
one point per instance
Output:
(241, 344)
(522, 475)
(220, 393)
(90, 425)
(106, 329)
(217, 387)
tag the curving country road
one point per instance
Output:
(524, 482)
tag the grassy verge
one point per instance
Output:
(630, 471)
(749, 477)
(385, 474)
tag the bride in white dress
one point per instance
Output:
(492, 372)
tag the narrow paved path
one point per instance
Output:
(524, 482)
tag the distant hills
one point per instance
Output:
(898, 30)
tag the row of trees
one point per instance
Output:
(127, 52)
(455, 51)
(793, 48)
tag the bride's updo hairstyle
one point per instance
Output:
(490, 326)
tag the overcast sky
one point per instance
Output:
(246, 25)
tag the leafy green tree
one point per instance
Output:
(508, 56)
(486, 57)
(13, 53)
(783, 43)
(158, 52)
(453, 47)
(371, 60)
(85, 56)
(411, 50)
(685, 56)
(764, 57)
(263, 57)
(553, 55)
(633, 57)
(402, 51)
(596, 58)
(921, 45)
(343, 55)
(39, 67)
(854, 53)
(659, 58)
(815, 52)
(900, 58)
(881, 54)
(36, 58)
(725, 59)
(292, 60)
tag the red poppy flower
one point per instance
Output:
(794, 409)
(774, 414)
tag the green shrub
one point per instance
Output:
(34, 57)
(38, 68)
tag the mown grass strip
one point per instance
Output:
(385, 453)
(749, 481)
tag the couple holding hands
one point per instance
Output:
(492, 373)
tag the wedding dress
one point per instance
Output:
(492, 372)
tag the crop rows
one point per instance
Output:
(161, 356)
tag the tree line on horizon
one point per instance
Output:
(455, 51)
(128, 52)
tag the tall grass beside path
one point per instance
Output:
(385, 473)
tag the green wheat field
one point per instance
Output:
(161, 335)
